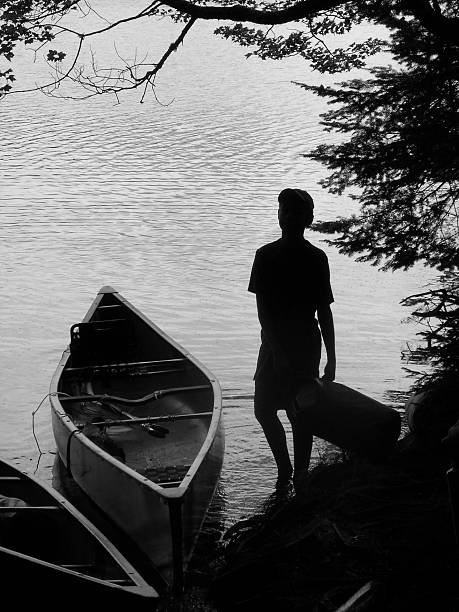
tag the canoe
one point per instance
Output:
(48, 547)
(138, 424)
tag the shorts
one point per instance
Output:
(277, 391)
(273, 393)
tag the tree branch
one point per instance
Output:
(56, 82)
(143, 13)
(240, 13)
(150, 75)
(429, 16)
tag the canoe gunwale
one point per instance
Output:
(65, 570)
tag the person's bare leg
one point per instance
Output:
(302, 445)
(275, 435)
(269, 396)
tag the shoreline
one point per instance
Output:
(359, 535)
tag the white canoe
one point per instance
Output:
(49, 549)
(119, 387)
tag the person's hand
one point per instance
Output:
(329, 371)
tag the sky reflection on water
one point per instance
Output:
(168, 204)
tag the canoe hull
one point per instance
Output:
(143, 512)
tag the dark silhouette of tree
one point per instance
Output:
(400, 156)
(438, 312)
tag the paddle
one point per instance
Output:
(153, 430)
(166, 417)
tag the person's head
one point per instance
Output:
(296, 210)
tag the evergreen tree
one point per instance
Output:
(400, 158)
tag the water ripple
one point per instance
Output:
(168, 205)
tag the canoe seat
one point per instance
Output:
(110, 311)
(101, 342)
(169, 484)
(169, 475)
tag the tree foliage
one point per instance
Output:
(437, 310)
(399, 157)
(402, 156)
(35, 23)
(400, 149)
(310, 41)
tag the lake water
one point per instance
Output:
(168, 203)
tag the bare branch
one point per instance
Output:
(54, 84)
(172, 47)
(143, 13)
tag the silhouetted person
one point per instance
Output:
(291, 280)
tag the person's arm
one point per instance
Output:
(327, 327)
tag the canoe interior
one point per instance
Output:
(42, 529)
(117, 353)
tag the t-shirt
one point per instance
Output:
(294, 279)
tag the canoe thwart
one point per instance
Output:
(79, 566)
(127, 365)
(140, 400)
